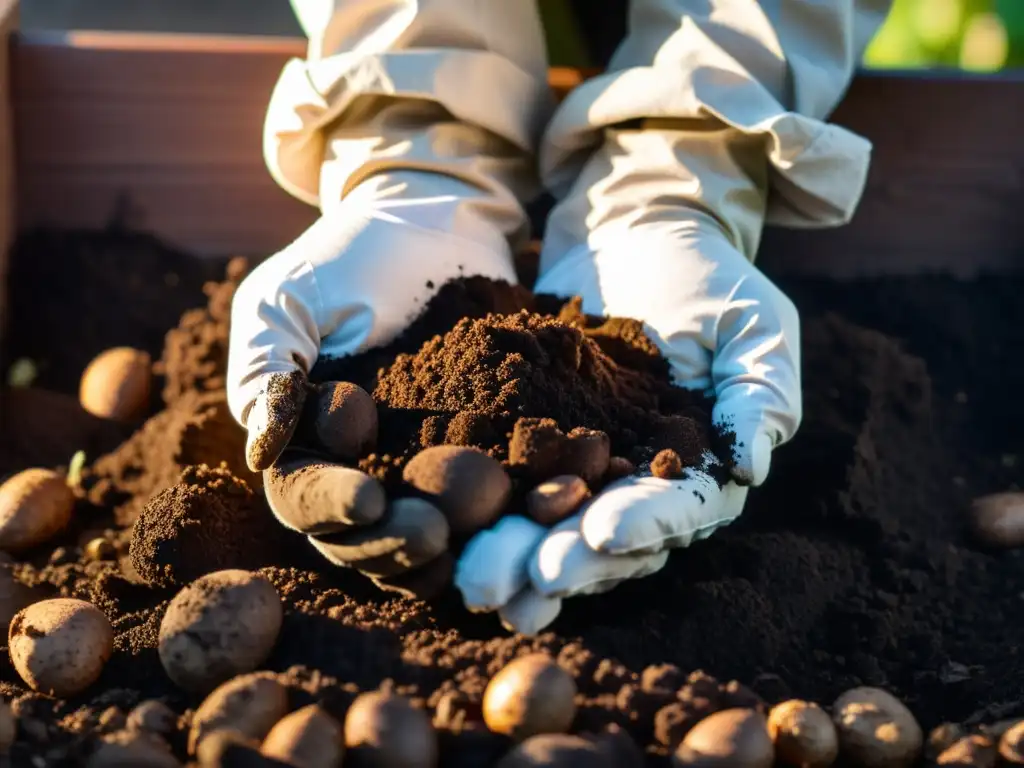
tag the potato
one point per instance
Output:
(60, 646)
(875, 729)
(998, 520)
(941, 738)
(976, 751)
(733, 738)
(116, 384)
(249, 704)
(153, 716)
(556, 749)
(223, 624)
(469, 486)
(132, 749)
(8, 727)
(554, 500)
(345, 420)
(384, 730)
(529, 696)
(307, 738)
(1011, 745)
(803, 734)
(35, 505)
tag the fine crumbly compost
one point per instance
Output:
(850, 566)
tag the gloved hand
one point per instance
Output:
(724, 328)
(353, 280)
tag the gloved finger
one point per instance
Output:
(756, 375)
(565, 565)
(529, 611)
(274, 340)
(648, 514)
(494, 565)
(412, 533)
(313, 496)
(423, 583)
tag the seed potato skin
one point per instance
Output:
(307, 738)
(249, 704)
(803, 734)
(117, 384)
(35, 505)
(60, 646)
(875, 729)
(531, 695)
(385, 731)
(223, 624)
(730, 738)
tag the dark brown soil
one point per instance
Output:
(849, 567)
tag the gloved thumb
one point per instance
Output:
(273, 343)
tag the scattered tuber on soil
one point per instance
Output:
(384, 730)
(344, 420)
(1011, 745)
(469, 486)
(557, 750)
(941, 738)
(554, 500)
(35, 505)
(875, 729)
(997, 520)
(60, 646)
(221, 625)
(153, 716)
(975, 751)
(730, 738)
(132, 749)
(307, 738)
(803, 734)
(117, 384)
(249, 704)
(530, 695)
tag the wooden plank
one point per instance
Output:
(8, 23)
(166, 131)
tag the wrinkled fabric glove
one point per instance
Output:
(724, 328)
(353, 280)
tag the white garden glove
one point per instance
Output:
(708, 123)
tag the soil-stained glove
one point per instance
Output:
(708, 123)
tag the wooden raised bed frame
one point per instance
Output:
(164, 132)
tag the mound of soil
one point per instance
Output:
(849, 567)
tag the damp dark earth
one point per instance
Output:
(170, 618)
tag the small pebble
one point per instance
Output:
(153, 716)
(100, 549)
(1011, 745)
(470, 487)
(223, 624)
(587, 454)
(998, 520)
(731, 738)
(132, 749)
(619, 467)
(307, 738)
(530, 695)
(249, 704)
(382, 729)
(60, 646)
(803, 734)
(554, 500)
(974, 751)
(346, 420)
(557, 750)
(667, 465)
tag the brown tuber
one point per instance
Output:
(556, 750)
(554, 500)
(250, 704)
(875, 729)
(529, 696)
(132, 749)
(307, 738)
(730, 738)
(153, 716)
(116, 384)
(804, 734)
(35, 505)
(344, 420)
(385, 730)
(998, 520)
(1011, 745)
(60, 646)
(221, 625)
(469, 486)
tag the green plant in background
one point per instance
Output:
(975, 35)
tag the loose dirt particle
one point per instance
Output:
(667, 465)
